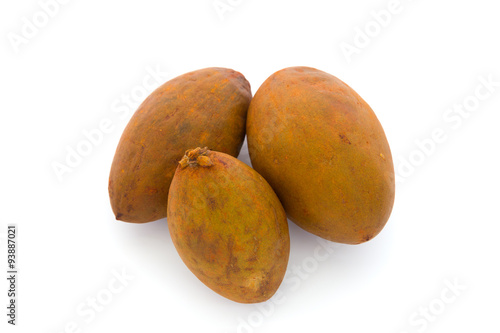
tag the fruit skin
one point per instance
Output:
(322, 149)
(228, 226)
(206, 107)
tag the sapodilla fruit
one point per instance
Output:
(324, 152)
(228, 226)
(206, 107)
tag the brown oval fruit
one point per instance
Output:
(322, 149)
(228, 226)
(206, 107)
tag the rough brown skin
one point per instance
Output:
(322, 149)
(228, 226)
(206, 107)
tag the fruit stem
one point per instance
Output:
(196, 157)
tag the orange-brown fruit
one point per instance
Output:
(323, 150)
(228, 226)
(206, 107)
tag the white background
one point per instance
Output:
(72, 73)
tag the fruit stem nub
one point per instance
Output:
(196, 157)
